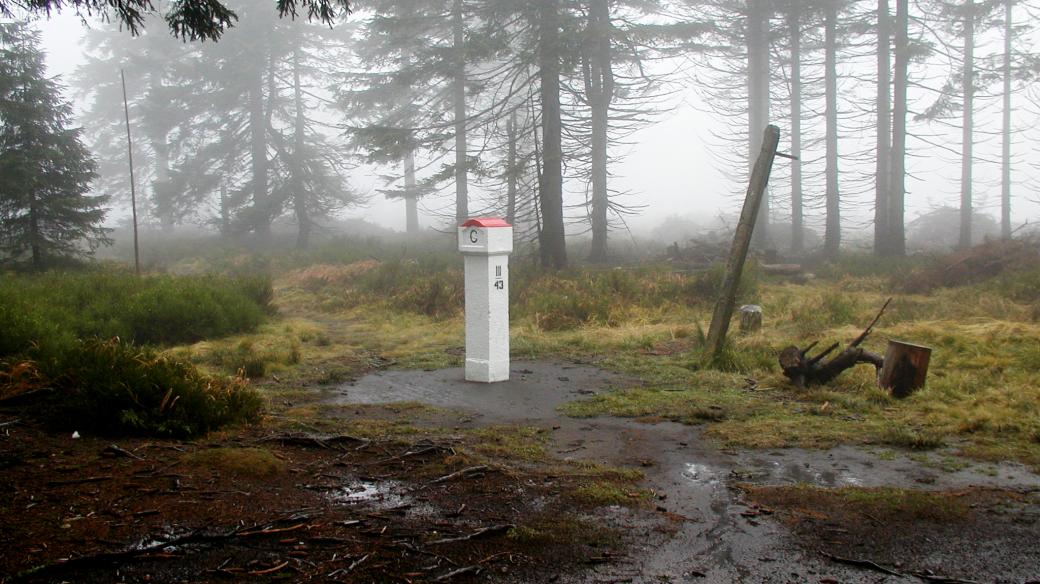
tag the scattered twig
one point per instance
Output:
(474, 570)
(861, 564)
(928, 577)
(10, 423)
(326, 442)
(82, 481)
(269, 570)
(480, 533)
(115, 450)
(469, 471)
(272, 531)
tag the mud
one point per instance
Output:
(702, 530)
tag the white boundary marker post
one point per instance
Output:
(485, 244)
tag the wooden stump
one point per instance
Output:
(750, 318)
(905, 368)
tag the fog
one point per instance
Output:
(681, 167)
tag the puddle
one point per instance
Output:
(382, 494)
(701, 474)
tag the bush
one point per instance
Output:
(115, 387)
(52, 310)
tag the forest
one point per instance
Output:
(217, 364)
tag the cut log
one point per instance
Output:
(781, 269)
(905, 368)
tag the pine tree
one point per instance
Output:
(46, 213)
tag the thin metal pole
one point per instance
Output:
(133, 191)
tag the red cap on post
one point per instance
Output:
(486, 222)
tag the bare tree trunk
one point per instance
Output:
(832, 234)
(797, 218)
(303, 220)
(967, 120)
(897, 191)
(459, 99)
(34, 234)
(258, 147)
(225, 204)
(1005, 153)
(552, 238)
(884, 127)
(161, 194)
(758, 99)
(512, 170)
(599, 87)
(411, 199)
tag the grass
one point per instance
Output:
(982, 397)
(885, 505)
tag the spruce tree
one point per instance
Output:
(46, 211)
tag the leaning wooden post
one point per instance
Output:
(742, 241)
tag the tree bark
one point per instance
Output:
(411, 199)
(303, 220)
(459, 99)
(797, 214)
(512, 170)
(897, 191)
(884, 127)
(258, 153)
(1005, 153)
(551, 238)
(164, 207)
(742, 241)
(34, 234)
(832, 234)
(967, 121)
(758, 99)
(599, 86)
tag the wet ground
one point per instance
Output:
(703, 528)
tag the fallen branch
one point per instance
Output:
(804, 370)
(928, 577)
(269, 570)
(862, 564)
(115, 558)
(480, 533)
(325, 442)
(271, 531)
(82, 481)
(459, 474)
(474, 570)
(116, 451)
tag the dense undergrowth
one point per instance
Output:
(79, 343)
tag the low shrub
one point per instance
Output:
(50, 311)
(115, 387)
(974, 265)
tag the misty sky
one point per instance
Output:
(669, 167)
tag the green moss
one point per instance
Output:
(245, 462)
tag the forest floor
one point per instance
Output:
(600, 461)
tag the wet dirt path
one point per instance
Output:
(702, 530)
